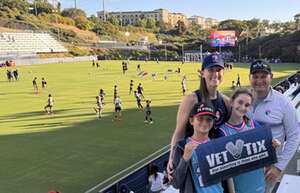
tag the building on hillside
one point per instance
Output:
(132, 17)
(205, 23)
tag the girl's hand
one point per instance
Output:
(188, 150)
(276, 143)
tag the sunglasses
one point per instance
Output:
(260, 65)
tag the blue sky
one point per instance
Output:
(274, 10)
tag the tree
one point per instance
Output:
(58, 6)
(43, 6)
(181, 27)
(151, 23)
(83, 23)
(141, 23)
(21, 5)
(99, 29)
(232, 24)
(252, 23)
(73, 13)
(113, 20)
(94, 19)
(297, 21)
(163, 27)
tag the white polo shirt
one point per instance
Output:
(277, 112)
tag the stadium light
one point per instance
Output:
(103, 5)
(35, 8)
(55, 11)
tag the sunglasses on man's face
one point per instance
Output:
(260, 65)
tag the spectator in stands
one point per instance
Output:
(155, 180)
(124, 189)
(295, 93)
(35, 86)
(286, 84)
(212, 73)
(16, 74)
(280, 89)
(44, 83)
(241, 101)
(186, 177)
(272, 110)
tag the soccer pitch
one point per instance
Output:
(72, 150)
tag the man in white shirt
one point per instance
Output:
(273, 110)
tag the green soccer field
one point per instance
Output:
(72, 150)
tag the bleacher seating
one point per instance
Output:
(288, 92)
(28, 42)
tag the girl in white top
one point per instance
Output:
(156, 180)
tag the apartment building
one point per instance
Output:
(205, 23)
(132, 17)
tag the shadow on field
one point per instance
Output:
(72, 157)
(25, 115)
(43, 125)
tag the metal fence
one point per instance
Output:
(29, 61)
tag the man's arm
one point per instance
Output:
(291, 129)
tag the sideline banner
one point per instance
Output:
(231, 155)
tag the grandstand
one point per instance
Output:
(19, 43)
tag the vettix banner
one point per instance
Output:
(231, 155)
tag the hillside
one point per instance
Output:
(78, 32)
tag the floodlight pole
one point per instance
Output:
(182, 51)
(149, 57)
(201, 55)
(103, 5)
(35, 8)
(166, 57)
(239, 47)
(55, 10)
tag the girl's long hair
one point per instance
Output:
(203, 90)
(154, 170)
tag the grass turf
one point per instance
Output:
(72, 150)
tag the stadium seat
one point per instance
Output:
(28, 42)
